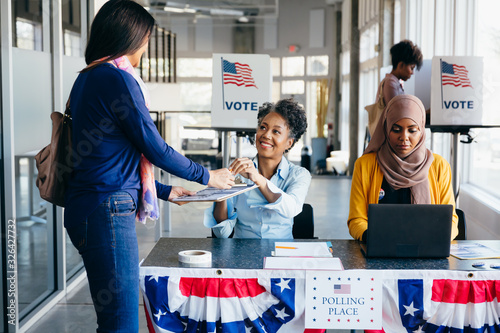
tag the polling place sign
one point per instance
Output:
(241, 83)
(457, 91)
(343, 299)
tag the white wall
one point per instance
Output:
(293, 28)
(482, 213)
(71, 68)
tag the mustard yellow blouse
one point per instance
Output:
(367, 181)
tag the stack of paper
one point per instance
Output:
(329, 264)
(303, 249)
(303, 255)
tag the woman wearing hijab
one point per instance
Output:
(396, 167)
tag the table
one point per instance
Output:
(165, 254)
(237, 259)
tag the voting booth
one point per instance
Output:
(457, 91)
(457, 101)
(241, 83)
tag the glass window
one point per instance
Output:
(317, 65)
(276, 93)
(33, 247)
(485, 163)
(72, 44)
(154, 69)
(346, 62)
(368, 42)
(485, 151)
(194, 67)
(312, 127)
(292, 87)
(275, 64)
(71, 27)
(144, 66)
(293, 66)
(28, 35)
(196, 96)
(397, 21)
(27, 24)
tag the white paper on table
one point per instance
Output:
(307, 263)
(302, 249)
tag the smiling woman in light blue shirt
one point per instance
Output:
(268, 211)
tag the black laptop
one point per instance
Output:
(408, 231)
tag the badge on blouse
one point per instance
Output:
(381, 194)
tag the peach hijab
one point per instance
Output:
(412, 170)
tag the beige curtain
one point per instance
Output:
(322, 93)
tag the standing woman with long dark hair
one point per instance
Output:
(114, 142)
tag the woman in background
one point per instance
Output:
(112, 128)
(396, 167)
(405, 57)
(266, 212)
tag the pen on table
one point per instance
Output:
(286, 247)
(329, 244)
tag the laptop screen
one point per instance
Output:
(408, 231)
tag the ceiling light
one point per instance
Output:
(217, 11)
(179, 10)
(243, 19)
(173, 10)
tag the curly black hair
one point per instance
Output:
(293, 113)
(408, 53)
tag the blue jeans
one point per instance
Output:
(107, 242)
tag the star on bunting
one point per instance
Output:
(159, 314)
(281, 314)
(284, 284)
(410, 309)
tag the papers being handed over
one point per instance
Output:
(215, 194)
(303, 249)
(303, 255)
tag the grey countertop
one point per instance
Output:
(249, 254)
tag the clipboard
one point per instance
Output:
(215, 194)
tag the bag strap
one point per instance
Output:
(381, 94)
(67, 112)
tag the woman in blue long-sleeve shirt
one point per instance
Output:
(112, 128)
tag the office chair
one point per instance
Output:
(303, 224)
(462, 226)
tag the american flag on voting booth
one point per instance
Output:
(210, 300)
(455, 75)
(237, 73)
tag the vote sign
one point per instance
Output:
(241, 83)
(457, 91)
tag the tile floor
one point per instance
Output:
(329, 197)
